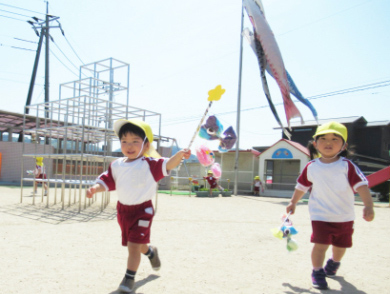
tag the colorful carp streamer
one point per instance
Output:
(205, 156)
(212, 130)
(264, 45)
(286, 230)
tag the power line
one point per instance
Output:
(19, 82)
(14, 13)
(77, 68)
(64, 55)
(12, 18)
(20, 48)
(25, 40)
(82, 62)
(321, 19)
(63, 33)
(353, 89)
(21, 8)
(333, 93)
(63, 63)
(70, 45)
(15, 47)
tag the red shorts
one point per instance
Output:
(256, 189)
(135, 222)
(337, 234)
(41, 176)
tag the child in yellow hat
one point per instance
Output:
(135, 178)
(257, 184)
(332, 181)
(213, 182)
(39, 173)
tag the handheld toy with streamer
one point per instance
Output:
(214, 95)
(286, 230)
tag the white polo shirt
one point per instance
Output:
(135, 181)
(332, 189)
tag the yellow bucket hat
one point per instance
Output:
(332, 127)
(257, 178)
(143, 126)
(39, 161)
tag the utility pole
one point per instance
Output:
(47, 61)
(44, 26)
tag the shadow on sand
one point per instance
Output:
(56, 215)
(346, 288)
(139, 284)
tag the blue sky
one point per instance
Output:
(179, 50)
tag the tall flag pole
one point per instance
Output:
(238, 107)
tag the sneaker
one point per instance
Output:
(34, 192)
(126, 285)
(155, 261)
(331, 267)
(318, 279)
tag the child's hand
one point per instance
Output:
(186, 153)
(90, 192)
(368, 213)
(291, 207)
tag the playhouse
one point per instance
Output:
(280, 165)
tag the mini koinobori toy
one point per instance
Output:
(212, 130)
(206, 158)
(286, 230)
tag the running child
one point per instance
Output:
(135, 178)
(332, 180)
(213, 182)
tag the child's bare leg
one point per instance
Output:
(134, 258)
(318, 255)
(338, 253)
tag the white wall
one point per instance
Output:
(12, 160)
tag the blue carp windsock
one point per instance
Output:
(268, 53)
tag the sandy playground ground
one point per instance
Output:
(206, 245)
